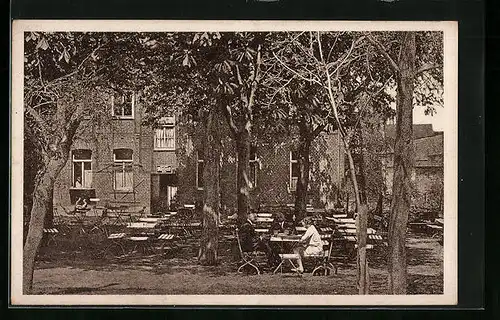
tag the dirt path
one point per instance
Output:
(74, 274)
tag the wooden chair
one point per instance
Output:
(114, 246)
(287, 257)
(324, 264)
(247, 257)
(51, 234)
(164, 239)
(141, 243)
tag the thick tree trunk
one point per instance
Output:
(303, 181)
(42, 203)
(403, 165)
(380, 204)
(207, 254)
(49, 216)
(243, 183)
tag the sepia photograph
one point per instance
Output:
(234, 163)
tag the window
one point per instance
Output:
(123, 105)
(165, 134)
(200, 165)
(82, 168)
(123, 170)
(294, 170)
(254, 166)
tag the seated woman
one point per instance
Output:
(310, 243)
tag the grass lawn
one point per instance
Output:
(60, 271)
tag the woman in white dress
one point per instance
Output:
(310, 243)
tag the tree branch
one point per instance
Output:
(341, 62)
(333, 46)
(42, 104)
(79, 65)
(383, 51)
(279, 89)
(230, 120)
(318, 130)
(38, 119)
(329, 89)
(426, 67)
(254, 83)
(295, 72)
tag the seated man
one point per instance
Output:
(279, 223)
(251, 241)
(310, 243)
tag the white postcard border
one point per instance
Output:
(450, 29)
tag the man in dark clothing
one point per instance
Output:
(251, 241)
(279, 224)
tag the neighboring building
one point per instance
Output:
(121, 160)
(428, 172)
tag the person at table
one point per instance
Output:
(310, 243)
(251, 241)
(279, 224)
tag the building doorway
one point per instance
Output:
(163, 192)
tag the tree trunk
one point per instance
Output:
(361, 225)
(403, 164)
(362, 261)
(354, 179)
(42, 202)
(243, 183)
(303, 181)
(207, 254)
(49, 216)
(361, 166)
(380, 205)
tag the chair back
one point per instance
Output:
(57, 218)
(237, 234)
(330, 247)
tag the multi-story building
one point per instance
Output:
(428, 171)
(120, 159)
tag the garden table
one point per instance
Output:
(346, 226)
(152, 220)
(118, 212)
(142, 225)
(261, 230)
(289, 257)
(286, 257)
(353, 231)
(344, 220)
(264, 215)
(338, 215)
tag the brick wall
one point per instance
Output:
(273, 178)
